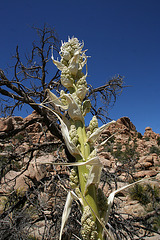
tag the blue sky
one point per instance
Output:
(122, 37)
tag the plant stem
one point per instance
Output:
(90, 193)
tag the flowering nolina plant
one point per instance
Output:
(86, 171)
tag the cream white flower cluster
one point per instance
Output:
(73, 178)
(89, 228)
(73, 59)
(73, 135)
(93, 126)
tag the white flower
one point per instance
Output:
(66, 78)
(73, 109)
(73, 64)
(81, 92)
(66, 55)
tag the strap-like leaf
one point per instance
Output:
(94, 174)
(57, 102)
(67, 209)
(93, 162)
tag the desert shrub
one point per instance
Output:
(19, 137)
(156, 223)
(155, 149)
(149, 197)
(158, 141)
(139, 135)
(129, 154)
(147, 138)
(138, 192)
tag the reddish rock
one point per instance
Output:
(158, 176)
(146, 161)
(150, 134)
(106, 163)
(125, 121)
(6, 125)
(149, 159)
(138, 166)
(31, 116)
(104, 154)
(145, 173)
(18, 119)
(147, 165)
(134, 208)
(148, 129)
(36, 171)
(14, 180)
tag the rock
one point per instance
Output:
(148, 129)
(114, 148)
(35, 128)
(106, 163)
(134, 208)
(156, 160)
(145, 173)
(123, 149)
(158, 177)
(14, 181)
(126, 122)
(22, 148)
(106, 132)
(147, 165)
(36, 171)
(150, 134)
(31, 116)
(138, 165)
(18, 119)
(6, 125)
(154, 237)
(149, 159)
(104, 154)
(146, 161)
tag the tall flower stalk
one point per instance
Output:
(86, 171)
(85, 177)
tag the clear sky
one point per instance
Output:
(122, 37)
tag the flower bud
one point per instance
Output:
(86, 107)
(73, 178)
(74, 110)
(73, 134)
(93, 124)
(62, 97)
